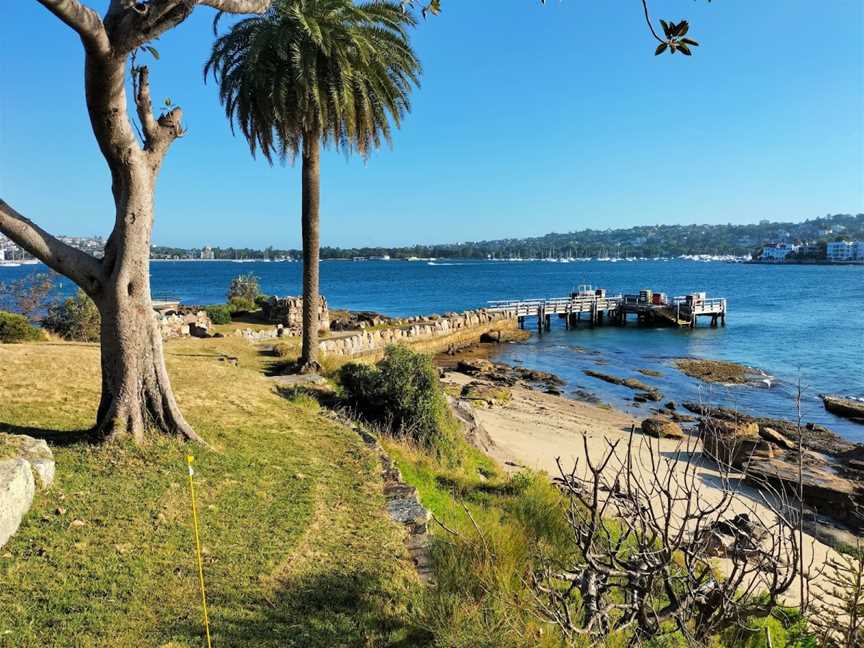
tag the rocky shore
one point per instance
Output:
(763, 451)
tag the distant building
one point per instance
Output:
(840, 251)
(859, 250)
(207, 253)
(777, 252)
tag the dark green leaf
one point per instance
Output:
(667, 28)
(660, 49)
(153, 51)
(688, 41)
(683, 26)
(684, 49)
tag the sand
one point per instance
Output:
(534, 429)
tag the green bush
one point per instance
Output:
(403, 394)
(76, 318)
(219, 313)
(260, 300)
(243, 291)
(240, 305)
(16, 328)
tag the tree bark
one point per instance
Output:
(311, 179)
(136, 390)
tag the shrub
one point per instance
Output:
(28, 294)
(240, 305)
(16, 328)
(260, 300)
(76, 318)
(219, 313)
(243, 291)
(403, 393)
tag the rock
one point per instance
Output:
(475, 433)
(648, 392)
(847, 407)
(486, 393)
(475, 367)
(17, 488)
(717, 371)
(671, 406)
(34, 451)
(506, 335)
(404, 506)
(773, 436)
(824, 491)
(733, 443)
(682, 418)
(816, 437)
(198, 331)
(661, 428)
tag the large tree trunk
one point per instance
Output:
(311, 243)
(136, 391)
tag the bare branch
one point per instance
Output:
(84, 20)
(83, 269)
(144, 104)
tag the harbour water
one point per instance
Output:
(787, 321)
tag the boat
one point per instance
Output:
(846, 407)
(9, 264)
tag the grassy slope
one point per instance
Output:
(298, 550)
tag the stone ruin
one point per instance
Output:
(180, 321)
(288, 311)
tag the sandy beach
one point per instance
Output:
(533, 429)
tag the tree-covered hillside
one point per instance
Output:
(641, 241)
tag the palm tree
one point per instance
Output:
(313, 73)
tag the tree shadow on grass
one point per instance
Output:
(54, 437)
(337, 608)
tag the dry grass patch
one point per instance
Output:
(298, 549)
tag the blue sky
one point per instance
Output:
(530, 119)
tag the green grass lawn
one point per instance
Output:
(298, 548)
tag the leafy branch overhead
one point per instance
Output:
(674, 39)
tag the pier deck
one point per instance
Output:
(649, 309)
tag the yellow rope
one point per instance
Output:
(189, 460)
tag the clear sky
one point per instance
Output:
(530, 119)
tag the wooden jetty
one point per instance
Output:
(595, 307)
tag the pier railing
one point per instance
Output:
(679, 311)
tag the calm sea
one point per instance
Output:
(788, 321)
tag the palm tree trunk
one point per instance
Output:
(311, 243)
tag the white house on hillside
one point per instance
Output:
(839, 251)
(777, 252)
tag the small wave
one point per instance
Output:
(432, 263)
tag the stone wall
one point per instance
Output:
(432, 334)
(180, 322)
(288, 311)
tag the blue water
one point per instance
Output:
(785, 320)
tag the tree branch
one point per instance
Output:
(648, 20)
(80, 267)
(144, 104)
(84, 20)
(238, 6)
